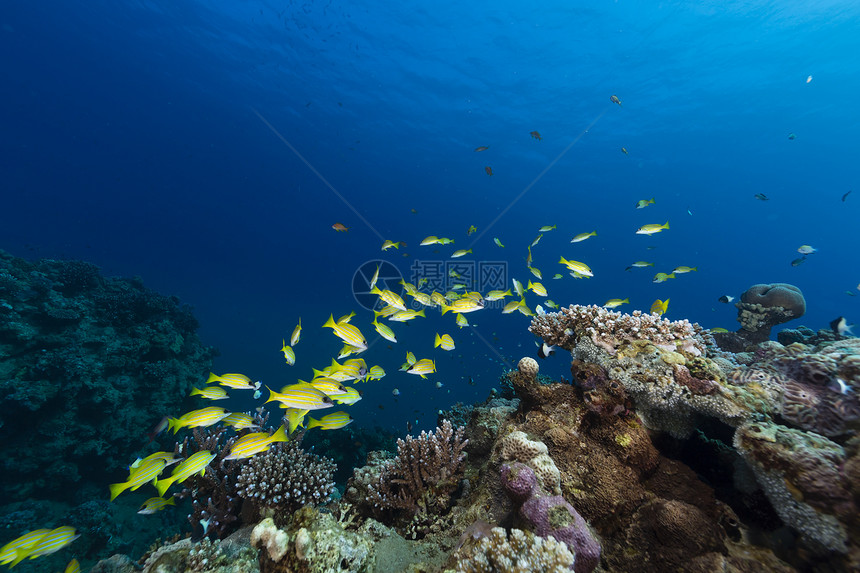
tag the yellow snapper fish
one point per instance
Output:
(423, 299)
(465, 304)
(373, 280)
(577, 267)
(346, 318)
(73, 566)
(210, 393)
(376, 372)
(52, 542)
(523, 308)
(662, 277)
(195, 464)
(536, 241)
(19, 548)
(550, 304)
(518, 287)
(302, 396)
(641, 265)
(582, 236)
(239, 421)
(155, 504)
(333, 421)
(535, 272)
(144, 473)
(410, 360)
(472, 229)
(328, 386)
(168, 458)
(445, 241)
(546, 228)
(431, 240)
(498, 242)
(529, 257)
(385, 312)
(410, 288)
(389, 244)
(295, 417)
(642, 203)
(351, 335)
(557, 276)
(445, 341)
(462, 320)
(437, 298)
(718, 329)
(652, 228)
(460, 253)
(390, 298)
(198, 418)
(660, 306)
(297, 331)
(237, 381)
(422, 367)
(806, 250)
(683, 269)
(497, 295)
(405, 315)
(616, 302)
(384, 331)
(351, 397)
(511, 307)
(255, 443)
(289, 354)
(537, 288)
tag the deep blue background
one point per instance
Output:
(131, 138)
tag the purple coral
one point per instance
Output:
(519, 481)
(551, 515)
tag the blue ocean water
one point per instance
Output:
(209, 147)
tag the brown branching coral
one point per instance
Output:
(286, 478)
(609, 329)
(419, 482)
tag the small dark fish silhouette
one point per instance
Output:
(798, 262)
(762, 197)
(844, 197)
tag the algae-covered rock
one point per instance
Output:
(91, 364)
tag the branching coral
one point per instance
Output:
(521, 551)
(419, 483)
(286, 478)
(610, 329)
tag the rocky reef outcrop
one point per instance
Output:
(88, 366)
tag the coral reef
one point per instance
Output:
(284, 479)
(80, 350)
(414, 490)
(550, 515)
(500, 552)
(763, 306)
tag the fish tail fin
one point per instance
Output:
(272, 395)
(212, 378)
(280, 435)
(666, 225)
(116, 489)
(445, 308)
(421, 313)
(173, 424)
(162, 486)
(313, 423)
(437, 341)
(330, 322)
